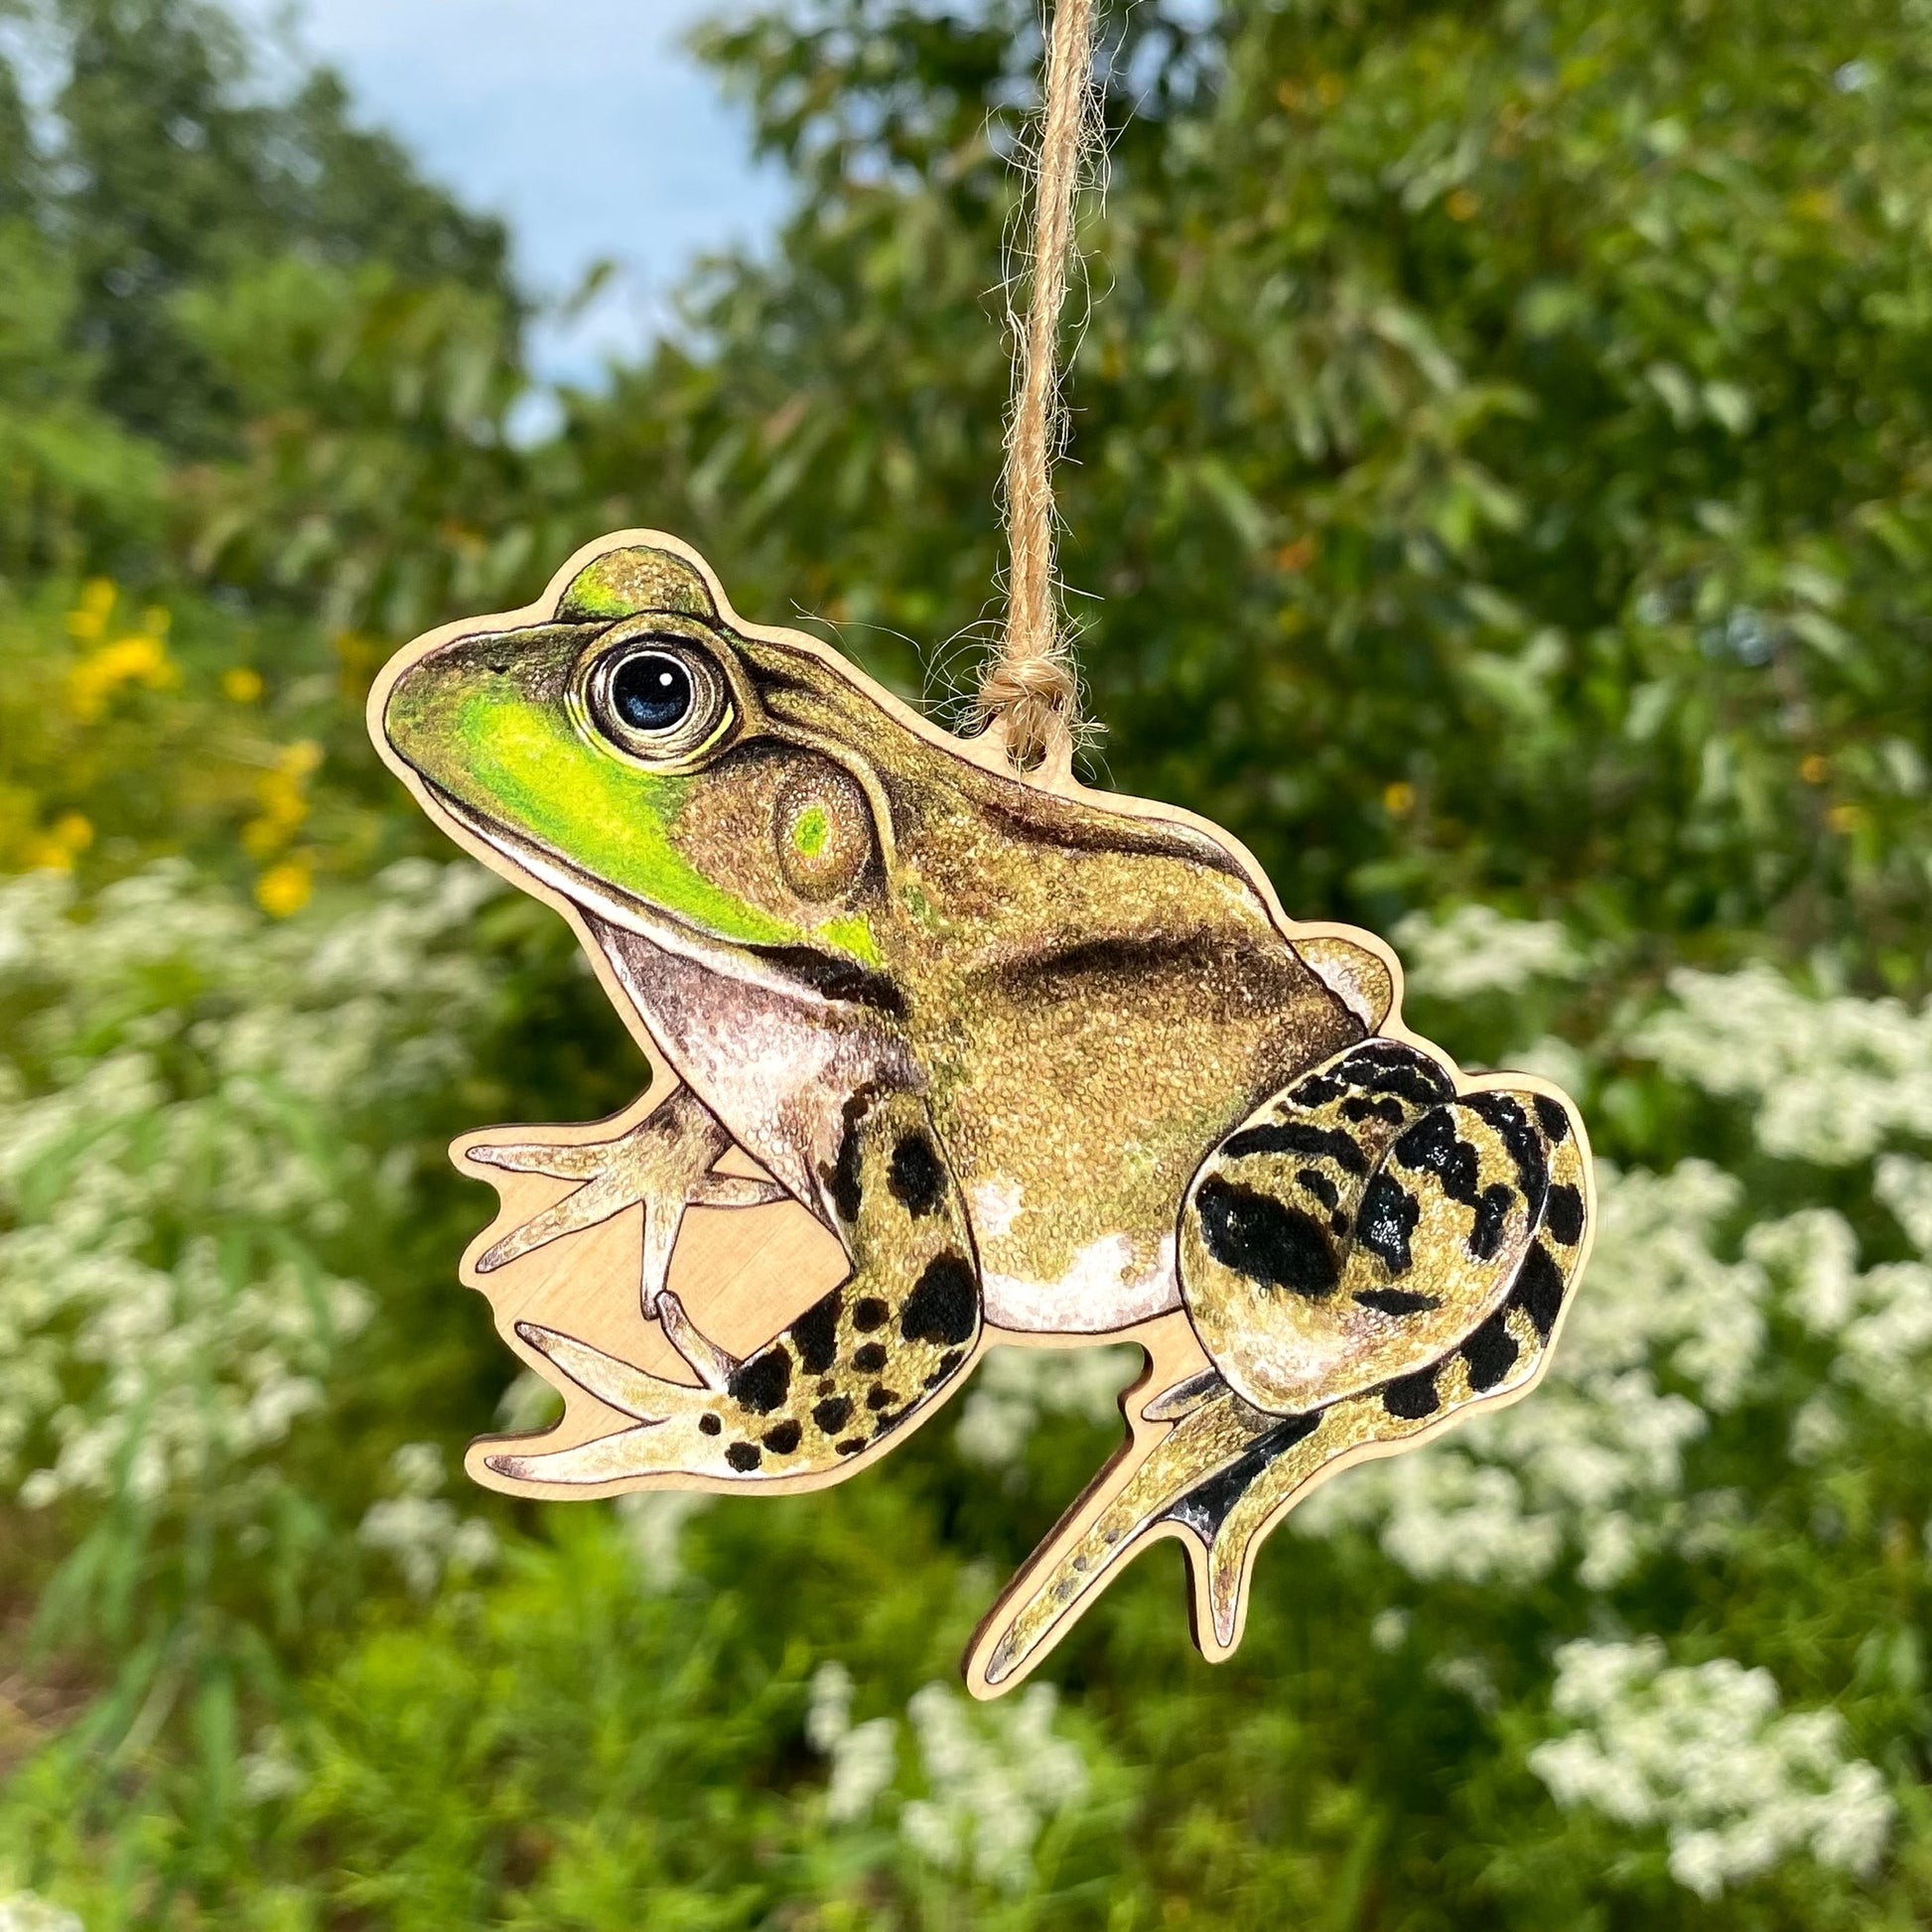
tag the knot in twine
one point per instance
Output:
(1035, 697)
(1030, 687)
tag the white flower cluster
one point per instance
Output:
(863, 1758)
(419, 1530)
(994, 1776)
(1878, 1319)
(1474, 950)
(26, 1912)
(171, 1146)
(653, 1526)
(1706, 1754)
(271, 1772)
(1014, 1387)
(1828, 1080)
(1593, 1460)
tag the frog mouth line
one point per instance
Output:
(801, 971)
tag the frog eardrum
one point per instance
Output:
(942, 1055)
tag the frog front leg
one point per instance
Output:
(857, 1365)
(665, 1163)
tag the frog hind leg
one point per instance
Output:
(1126, 1507)
(1345, 1153)
(1233, 1510)
(854, 1367)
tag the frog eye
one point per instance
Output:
(660, 699)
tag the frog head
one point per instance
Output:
(626, 753)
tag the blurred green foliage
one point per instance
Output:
(1500, 480)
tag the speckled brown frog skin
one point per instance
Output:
(1045, 1066)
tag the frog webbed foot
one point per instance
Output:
(677, 1429)
(665, 1163)
(858, 1364)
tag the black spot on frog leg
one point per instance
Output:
(944, 1306)
(1299, 1137)
(1539, 1289)
(762, 1382)
(1412, 1397)
(1388, 1066)
(1432, 1146)
(1360, 1108)
(916, 1178)
(842, 1177)
(1266, 1239)
(1314, 1181)
(1506, 1114)
(1563, 1213)
(1396, 1301)
(815, 1334)
(1492, 1215)
(1387, 1218)
(1490, 1352)
(1553, 1120)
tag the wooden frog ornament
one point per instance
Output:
(951, 1055)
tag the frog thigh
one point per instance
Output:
(1358, 1226)
(856, 1364)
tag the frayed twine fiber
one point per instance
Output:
(1031, 685)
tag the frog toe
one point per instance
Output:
(610, 1458)
(632, 1391)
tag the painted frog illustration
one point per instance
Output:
(1050, 1064)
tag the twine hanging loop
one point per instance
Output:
(1030, 687)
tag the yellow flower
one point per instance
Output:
(284, 888)
(61, 843)
(1815, 768)
(1399, 799)
(1462, 205)
(1844, 818)
(90, 618)
(136, 659)
(283, 799)
(242, 683)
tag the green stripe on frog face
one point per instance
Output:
(524, 767)
(852, 933)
